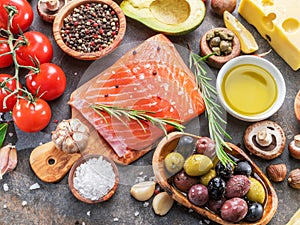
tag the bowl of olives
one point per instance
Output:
(186, 166)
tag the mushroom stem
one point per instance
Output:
(263, 138)
(52, 5)
(297, 140)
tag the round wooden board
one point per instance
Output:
(51, 164)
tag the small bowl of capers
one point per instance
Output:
(221, 44)
(89, 29)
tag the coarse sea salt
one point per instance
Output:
(94, 178)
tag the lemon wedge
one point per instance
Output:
(248, 43)
(295, 220)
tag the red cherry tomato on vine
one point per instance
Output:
(50, 82)
(5, 60)
(31, 117)
(6, 88)
(38, 47)
(23, 18)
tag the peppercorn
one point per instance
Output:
(90, 27)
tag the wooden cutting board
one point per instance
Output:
(51, 164)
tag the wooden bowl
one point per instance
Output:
(67, 9)
(169, 143)
(83, 159)
(218, 61)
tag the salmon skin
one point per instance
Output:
(151, 77)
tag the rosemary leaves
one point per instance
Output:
(136, 115)
(213, 110)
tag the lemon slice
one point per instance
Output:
(248, 43)
(295, 220)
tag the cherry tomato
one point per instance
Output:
(38, 46)
(31, 117)
(6, 89)
(50, 82)
(23, 18)
(5, 60)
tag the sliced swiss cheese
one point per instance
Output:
(278, 21)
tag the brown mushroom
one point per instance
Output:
(265, 139)
(297, 106)
(48, 9)
(294, 147)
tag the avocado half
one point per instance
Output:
(171, 17)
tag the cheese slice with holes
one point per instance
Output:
(278, 21)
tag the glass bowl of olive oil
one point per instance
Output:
(250, 88)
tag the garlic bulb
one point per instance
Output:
(71, 136)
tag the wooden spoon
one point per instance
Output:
(169, 143)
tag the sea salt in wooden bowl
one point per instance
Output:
(169, 144)
(101, 51)
(96, 171)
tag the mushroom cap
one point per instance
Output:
(297, 106)
(268, 152)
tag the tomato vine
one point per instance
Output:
(32, 51)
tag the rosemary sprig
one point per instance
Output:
(136, 115)
(213, 110)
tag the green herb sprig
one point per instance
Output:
(213, 110)
(136, 115)
(3, 131)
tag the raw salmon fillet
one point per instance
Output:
(152, 77)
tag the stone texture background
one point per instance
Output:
(54, 204)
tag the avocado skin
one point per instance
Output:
(137, 10)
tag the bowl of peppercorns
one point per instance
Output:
(89, 29)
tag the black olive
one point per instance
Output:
(255, 212)
(216, 188)
(243, 168)
(224, 172)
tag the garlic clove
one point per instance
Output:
(8, 159)
(143, 191)
(162, 203)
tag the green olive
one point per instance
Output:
(174, 162)
(207, 177)
(197, 165)
(256, 192)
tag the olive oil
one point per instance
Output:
(249, 89)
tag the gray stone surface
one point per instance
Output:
(54, 204)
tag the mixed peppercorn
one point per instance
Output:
(90, 27)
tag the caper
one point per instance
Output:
(214, 42)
